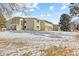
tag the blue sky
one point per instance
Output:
(48, 11)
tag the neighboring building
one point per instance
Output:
(19, 23)
(56, 28)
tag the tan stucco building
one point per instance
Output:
(19, 23)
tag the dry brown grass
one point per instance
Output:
(14, 42)
(57, 51)
(27, 53)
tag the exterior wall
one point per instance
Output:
(14, 24)
(29, 24)
(42, 25)
(46, 26)
(18, 27)
(37, 25)
(13, 27)
(56, 28)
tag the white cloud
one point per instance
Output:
(35, 5)
(63, 7)
(31, 10)
(48, 15)
(51, 7)
(18, 14)
(41, 15)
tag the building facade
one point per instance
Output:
(19, 23)
(56, 27)
(46, 25)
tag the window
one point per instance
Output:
(38, 21)
(37, 27)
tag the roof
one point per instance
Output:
(16, 19)
(48, 22)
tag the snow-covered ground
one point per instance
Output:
(34, 40)
(31, 34)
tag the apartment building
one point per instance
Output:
(20, 23)
(32, 24)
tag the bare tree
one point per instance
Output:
(74, 9)
(7, 9)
